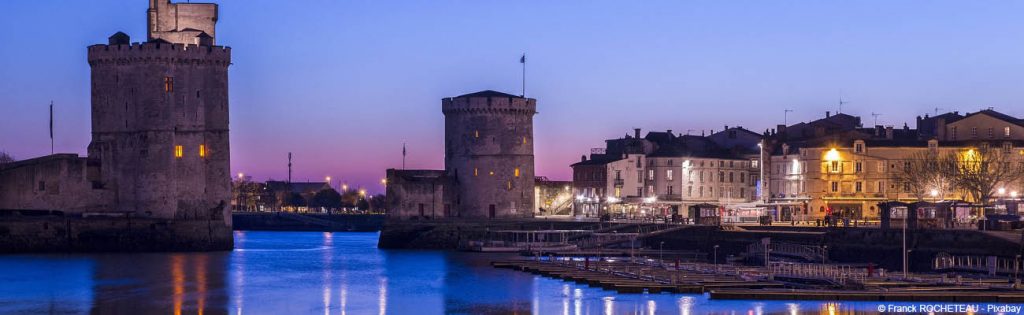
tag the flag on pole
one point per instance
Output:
(522, 59)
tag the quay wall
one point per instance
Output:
(847, 245)
(270, 221)
(448, 234)
(73, 234)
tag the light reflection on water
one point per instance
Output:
(329, 273)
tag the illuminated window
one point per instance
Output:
(168, 84)
(509, 185)
(524, 139)
(517, 172)
(476, 171)
(179, 151)
(476, 133)
(202, 150)
(1006, 131)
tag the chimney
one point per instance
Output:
(726, 127)
(583, 158)
(636, 133)
(669, 132)
(888, 132)
(828, 114)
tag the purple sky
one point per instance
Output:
(342, 84)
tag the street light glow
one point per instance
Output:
(1001, 191)
(935, 193)
(832, 155)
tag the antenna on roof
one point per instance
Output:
(289, 167)
(785, 116)
(841, 102)
(876, 118)
(937, 111)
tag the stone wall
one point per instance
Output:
(61, 181)
(418, 194)
(125, 234)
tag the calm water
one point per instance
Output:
(327, 273)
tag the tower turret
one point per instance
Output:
(489, 153)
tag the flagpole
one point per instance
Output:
(51, 127)
(403, 156)
(523, 61)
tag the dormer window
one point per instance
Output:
(858, 146)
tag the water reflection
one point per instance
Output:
(329, 273)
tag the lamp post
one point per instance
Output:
(715, 249)
(661, 253)
(906, 219)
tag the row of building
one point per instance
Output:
(833, 166)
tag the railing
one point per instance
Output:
(989, 264)
(839, 274)
(806, 252)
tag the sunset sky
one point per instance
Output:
(342, 84)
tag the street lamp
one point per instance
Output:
(661, 253)
(715, 248)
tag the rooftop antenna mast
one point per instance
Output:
(876, 118)
(841, 102)
(785, 116)
(937, 111)
(289, 167)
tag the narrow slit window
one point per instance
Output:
(476, 171)
(202, 150)
(179, 151)
(168, 84)
(517, 172)
(476, 133)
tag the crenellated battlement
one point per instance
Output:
(489, 104)
(159, 53)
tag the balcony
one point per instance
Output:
(618, 182)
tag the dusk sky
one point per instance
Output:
(342, 84)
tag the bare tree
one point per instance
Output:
(920, 174)
(980, 173)
(5, 158)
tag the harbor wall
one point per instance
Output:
(270, 221)
(122, 234)
(448, 234)
(846, 245)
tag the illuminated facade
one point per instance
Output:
(847, 170)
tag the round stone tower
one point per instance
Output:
(489, 154)
(160, 126)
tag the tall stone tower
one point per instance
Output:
(160, 116)
(489, 153)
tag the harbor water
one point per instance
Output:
(337, 273)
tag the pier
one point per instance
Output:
(778, 281)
